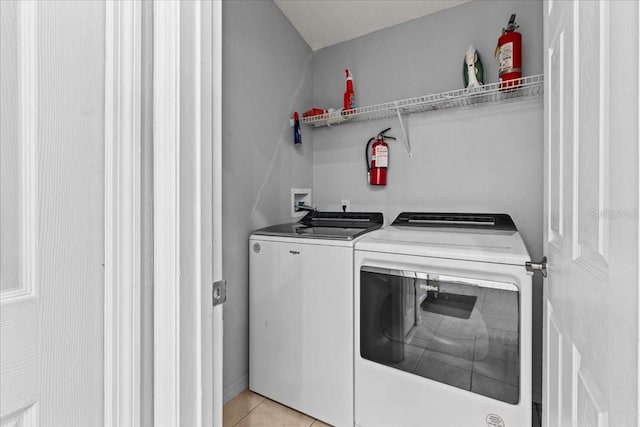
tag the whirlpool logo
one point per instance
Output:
(294, 252)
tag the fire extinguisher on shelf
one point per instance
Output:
(379, 162)
(509, 54)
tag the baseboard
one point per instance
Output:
(233, 389)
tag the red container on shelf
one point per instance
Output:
(313, 112)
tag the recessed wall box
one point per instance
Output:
(300, 197)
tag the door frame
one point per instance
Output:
(122, 213)
(187, 212)
(216, 178)
(166, 202)
(183, 323)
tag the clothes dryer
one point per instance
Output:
(443, 308)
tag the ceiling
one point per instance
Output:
(323, 23)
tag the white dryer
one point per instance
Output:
(443, 308)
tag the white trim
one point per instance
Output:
(217, 212)
(29, 136)
(187, 171)
(166, 214)
(28, 127)
(27, 417)
(122, 213)
(575, 244)
(197, 259)
(638, 206)
(205, 164)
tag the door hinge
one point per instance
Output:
(537, 266)
(219, 292)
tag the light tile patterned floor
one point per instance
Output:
(249, 409)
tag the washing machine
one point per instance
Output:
(443, 308)
(301, 312)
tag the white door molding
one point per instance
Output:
(28, 128)
(19, 304)
(216, 90)
(187, 214)
(638, 213)
(122, 213)
(29, 133)
(166, 202)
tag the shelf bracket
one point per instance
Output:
(404, 132)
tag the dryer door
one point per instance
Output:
(454, 330)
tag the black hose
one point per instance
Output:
(366, 154)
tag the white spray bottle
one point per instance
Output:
(473, 70)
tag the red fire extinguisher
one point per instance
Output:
(509, 54)
(377, 166)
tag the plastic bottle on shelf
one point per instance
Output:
(349, 95)
(297, 136)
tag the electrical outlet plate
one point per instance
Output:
(300, 196)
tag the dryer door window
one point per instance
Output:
(453, 330)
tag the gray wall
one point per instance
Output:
(485, 158)
(425, 55)
(266, 76)
(488, 158)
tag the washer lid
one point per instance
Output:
(327, 225)
(500, 244)
(480, 221)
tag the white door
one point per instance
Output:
(52, 213)
(591, 213)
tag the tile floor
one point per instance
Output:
(249, 409)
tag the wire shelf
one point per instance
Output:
(525, 87)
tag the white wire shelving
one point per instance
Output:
(525, 87)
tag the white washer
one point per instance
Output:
(301, 313)
(443, 308)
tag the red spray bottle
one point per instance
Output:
(349, 96)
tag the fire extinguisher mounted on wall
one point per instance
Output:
(379, 162)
